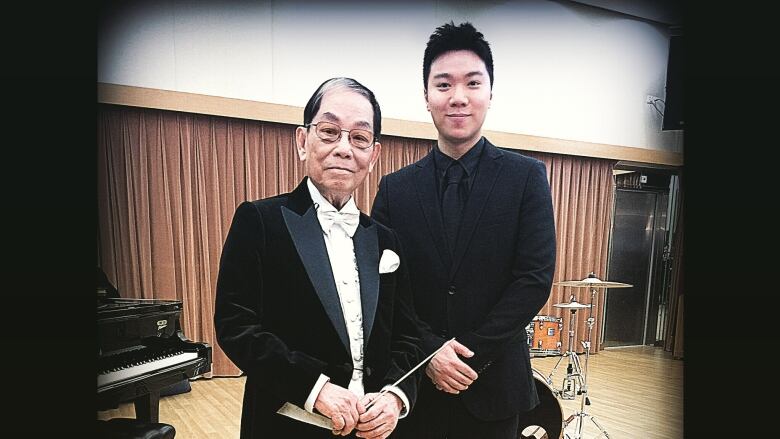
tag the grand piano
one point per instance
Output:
(142, 350)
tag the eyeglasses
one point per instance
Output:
(330, 132)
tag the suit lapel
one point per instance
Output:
(367, 254)
(487, 173)
(306, 234)
(425, 183)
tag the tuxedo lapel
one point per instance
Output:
(425, 183)
(367, 254)
(306, 234)
(487, 172)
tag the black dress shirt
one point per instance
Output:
(469, 160)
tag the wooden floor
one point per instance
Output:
(635, 392)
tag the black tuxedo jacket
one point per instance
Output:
(486, 290)
(279, 319)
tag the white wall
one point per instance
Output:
(562, 69)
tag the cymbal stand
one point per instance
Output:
(573, 378)
(580, 415)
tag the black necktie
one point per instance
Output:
(452, 201)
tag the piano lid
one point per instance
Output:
(113, 308)
(125, 324)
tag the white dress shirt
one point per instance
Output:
(341, 252)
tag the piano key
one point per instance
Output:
(140, 369)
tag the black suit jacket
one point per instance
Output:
(279, 319)
(497, 278)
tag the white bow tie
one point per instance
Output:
(347, 220)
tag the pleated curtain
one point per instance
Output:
(169, 183)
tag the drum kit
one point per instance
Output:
(544, 339)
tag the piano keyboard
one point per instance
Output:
(124, 373)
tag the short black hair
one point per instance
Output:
(313, 106)
(449, 37)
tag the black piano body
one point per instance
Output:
(142, 350)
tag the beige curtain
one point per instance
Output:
(169, 182)
(583, 195)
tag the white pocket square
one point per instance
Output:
(389, 262)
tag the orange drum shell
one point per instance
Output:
(544, 334)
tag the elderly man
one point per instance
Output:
(312, 295)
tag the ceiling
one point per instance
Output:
(662, 11)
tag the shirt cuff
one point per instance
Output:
(315, 392)
(404, 400)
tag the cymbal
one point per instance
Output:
(572, 305)
(592, 282)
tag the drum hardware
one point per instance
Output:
(573, 382)
(576, 381)
(569, 387)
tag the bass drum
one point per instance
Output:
(545, 421)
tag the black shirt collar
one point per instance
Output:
(469, 160)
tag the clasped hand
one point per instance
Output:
(448, 372)
(348, 412)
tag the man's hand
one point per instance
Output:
(341, 406)
(447, 372)
(381, 418)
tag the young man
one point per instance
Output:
(313, 296)
(477, 228)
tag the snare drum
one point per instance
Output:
(544, 335)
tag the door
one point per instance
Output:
(631, 258)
